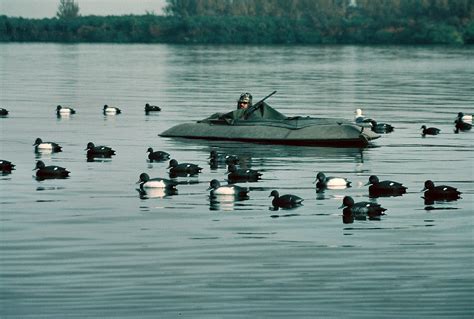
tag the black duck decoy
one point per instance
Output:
(41, 146)
(384, 188)
(157, 156)
(429, 130)
(51, 171)
(441, 192)
(285, 201)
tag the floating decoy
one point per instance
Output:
(230, 189)
(465, 117)
(99, 151)
(146, 182)
(323, 182)
(361, 210)
(374, 125)
(285, 201)
(441, 192)
(429, 130)
(241, 174)
(111, 110)
(380, 188)
(41, 146)
(6, 166)
(62, 110)
(157, 156)
(462, 125)
(51, 171)
(183, 168)
(215, 159)
(3, 111)
(151, 108)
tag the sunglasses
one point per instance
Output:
(243, 102)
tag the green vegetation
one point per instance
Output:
(264, 22)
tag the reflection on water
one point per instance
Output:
(80, 245)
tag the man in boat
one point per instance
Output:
(245, 101)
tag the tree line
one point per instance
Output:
(264, 22)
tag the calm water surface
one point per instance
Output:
(91, 246)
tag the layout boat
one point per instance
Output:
(263, 124)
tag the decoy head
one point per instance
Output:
(143, 178)
(428, 185)
(274, 193)
(149, 150)
(231, 168)
(214, 184)
(89, 146)
(321, 177)
(39, 165)
(173, 163)
(38, 141)
(372, 180)
(347, 202)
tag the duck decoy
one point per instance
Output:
(429, 130)
(374, 125)
(230, 189)
(157, 156)
(183, 169)
(146, 182)
(99, 151)
(285, 201)
(462, 125)
(151, 108)
(381, 188)
(51, 171)
(41, 146)
(6, 166)
(3, 112)
(331, 182)
(361, 210)
(215, 159)
(241, 174)
(62, 110)
(111, 110)
(465, 117)
(441, 192)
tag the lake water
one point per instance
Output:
(91, 246)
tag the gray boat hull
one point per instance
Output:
(325, 133)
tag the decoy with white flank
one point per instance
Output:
(429, 130)
(465, 117)
(217, 189)
(41, 146)
(331, 182)
(146, 182)
(157, 156)
(111, 110)
(51, 171)
(64, 111)
(462, 123)
(441, 192)
(285, 201)
(387, 187)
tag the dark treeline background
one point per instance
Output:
(265, 21)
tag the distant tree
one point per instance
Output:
(67, 9)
